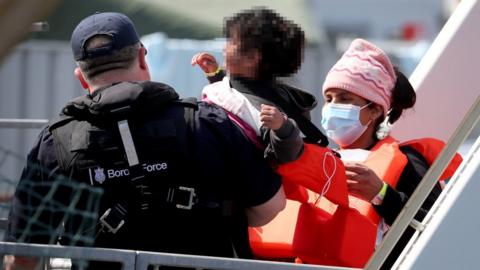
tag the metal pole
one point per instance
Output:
(425, 187)
(23, 123)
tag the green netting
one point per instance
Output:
(49, 207)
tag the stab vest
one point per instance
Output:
(157, 204)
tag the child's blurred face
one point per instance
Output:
(232, 55)
(238, 62)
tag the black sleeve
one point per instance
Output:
(396, 198)
(27, 222)
(253, 180)
(283, 145)
(217, 77)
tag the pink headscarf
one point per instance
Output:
(366, 71)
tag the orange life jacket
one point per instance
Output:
(303, 229)
(387, 161)
(348, 238)
(430, 148)
(339, 229)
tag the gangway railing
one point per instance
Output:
(125, 257)
(140, 260)
(22, 123)
(407, 215)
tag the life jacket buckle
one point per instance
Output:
(106, 224)
(190, 200)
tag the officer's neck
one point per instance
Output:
(111, 77)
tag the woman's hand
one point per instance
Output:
(362, 181)
(271, 117)
(205, 61)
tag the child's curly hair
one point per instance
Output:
(279, 41)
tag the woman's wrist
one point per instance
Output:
(378, 199)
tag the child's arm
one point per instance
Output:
(209, 65)
(284, 140)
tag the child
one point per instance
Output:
(261, 46)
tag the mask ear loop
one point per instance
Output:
(366, 105)
(328, 183)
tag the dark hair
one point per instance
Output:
(403, 96)
(279, 41)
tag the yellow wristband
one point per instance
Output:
(378, 199)
(211, 74)
(383, 191)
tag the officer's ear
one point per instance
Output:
(81, 78)
(142, 60)
(144, 74)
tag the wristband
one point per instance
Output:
(381, 194)
(211, 74)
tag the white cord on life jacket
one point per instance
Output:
(329, 177)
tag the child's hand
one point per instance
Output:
(207, 62)
(271, 117)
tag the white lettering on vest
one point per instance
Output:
(113, 173)
(117, 173)
(155, 167)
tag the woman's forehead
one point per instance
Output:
(339, 91)
(342, 93)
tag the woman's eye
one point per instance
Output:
(344, 99)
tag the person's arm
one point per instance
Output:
(258, 189)
(209, 65)
(282, 136)
(266, 212)
(396, 198)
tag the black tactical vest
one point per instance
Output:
(158, 204)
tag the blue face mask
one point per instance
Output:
(342, 122)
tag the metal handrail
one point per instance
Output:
(23, 123)
(410, 209)
(140, 260)
(144, 259)
(126, 257)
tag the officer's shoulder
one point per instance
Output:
(43, 145)
(212, 112)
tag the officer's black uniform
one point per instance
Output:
(196, 171)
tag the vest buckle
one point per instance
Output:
(189, 202)
(107, 219)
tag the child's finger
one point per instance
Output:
(194, 59)
(266, 113)
(266, 118)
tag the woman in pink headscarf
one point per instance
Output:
(363, 94)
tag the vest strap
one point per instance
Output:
(127, 141)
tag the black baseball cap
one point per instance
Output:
(116, 25)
